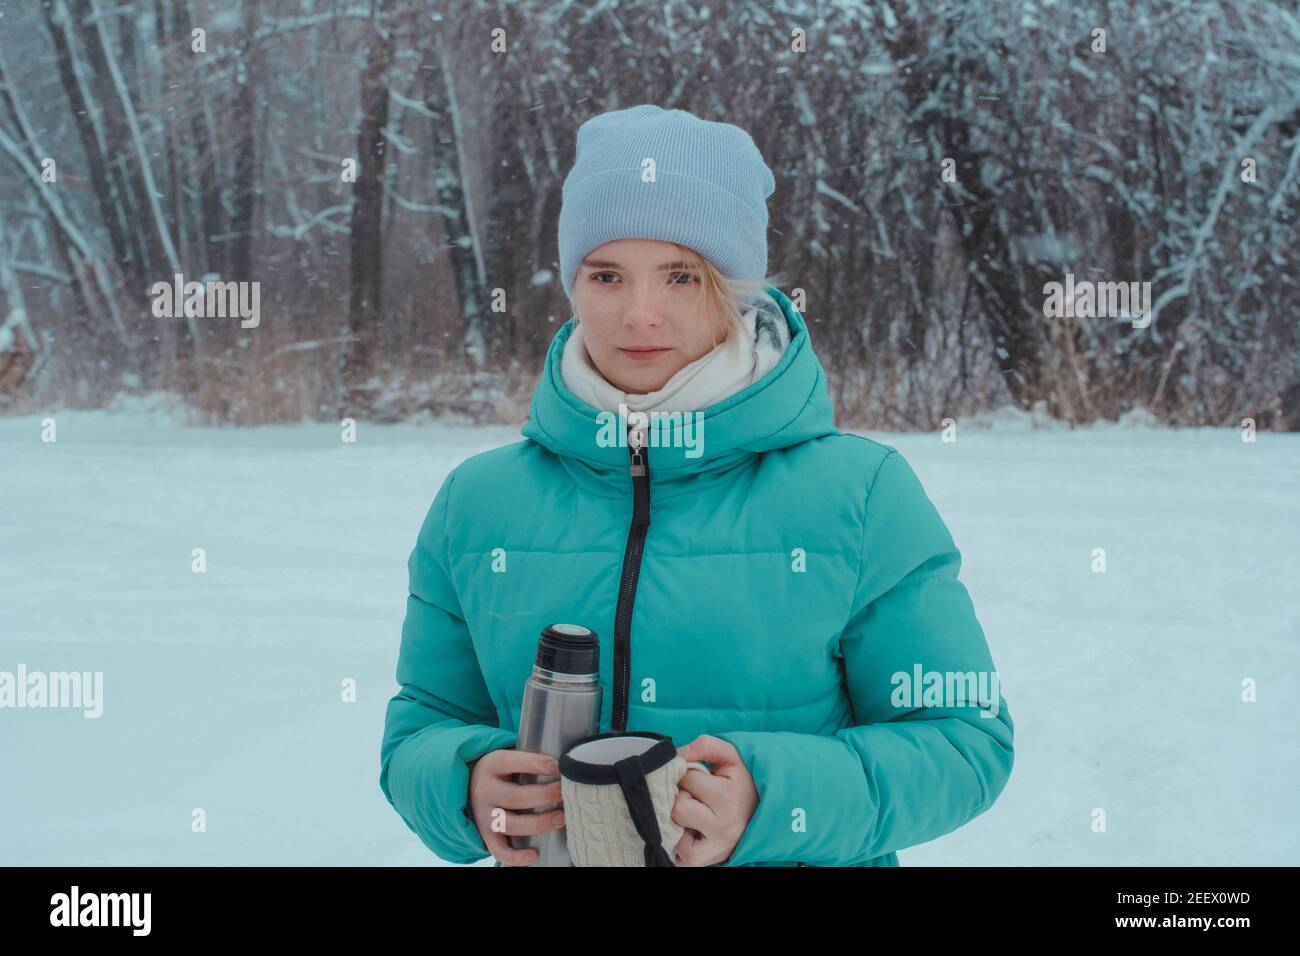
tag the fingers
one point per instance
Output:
(529, 824)
(501, 789)
(509, 805)
(687, 851)
(716, 752)
(502, 763)
(694, 815)
(705, 787)
(522, 796)
(518, 824)
(500, 848)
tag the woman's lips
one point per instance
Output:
(644, 355)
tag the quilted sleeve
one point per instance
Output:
(920, 759)
(442, 718)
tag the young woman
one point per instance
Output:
(780, 594)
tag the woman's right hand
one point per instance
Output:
(492, 788)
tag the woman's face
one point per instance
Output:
(636, 294)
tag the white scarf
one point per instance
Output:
(730, 367)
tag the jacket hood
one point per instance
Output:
(788, 405)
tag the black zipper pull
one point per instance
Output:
(636, 442)
(639, 469)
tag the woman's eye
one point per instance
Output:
(674, 279)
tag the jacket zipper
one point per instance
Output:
(639, 469)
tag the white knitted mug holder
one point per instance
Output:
(618, 791)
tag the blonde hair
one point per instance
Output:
(725, 299)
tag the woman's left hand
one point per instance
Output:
(714, 808)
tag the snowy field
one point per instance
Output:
(222, 689)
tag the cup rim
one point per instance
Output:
(582, 771)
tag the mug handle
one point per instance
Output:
(698, 765)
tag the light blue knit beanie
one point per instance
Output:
(650, 173)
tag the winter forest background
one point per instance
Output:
(143, 139)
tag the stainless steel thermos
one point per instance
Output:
(561, 704)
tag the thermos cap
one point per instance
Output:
(569, 649)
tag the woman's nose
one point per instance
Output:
(641, 313)
(641, 320)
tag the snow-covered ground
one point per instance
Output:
(222, 690)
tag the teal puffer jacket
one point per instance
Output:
(790, 587)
